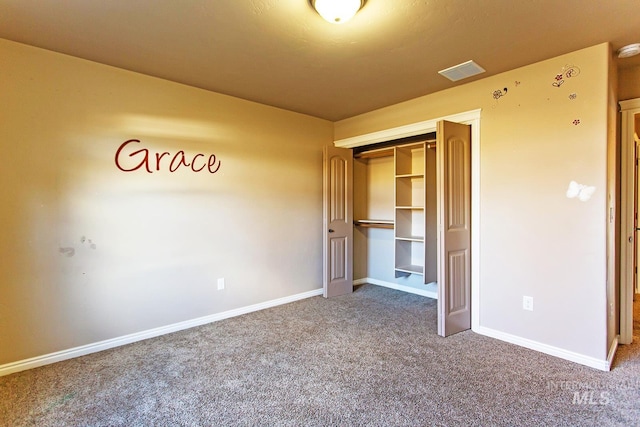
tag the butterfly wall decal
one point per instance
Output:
(582, 192)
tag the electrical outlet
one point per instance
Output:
(527, 303)
(221, 283)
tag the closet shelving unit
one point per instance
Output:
(411, 186)
(409, 208)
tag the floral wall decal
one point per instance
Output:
(567, 72)
(570, 71)
(559, 81)
(497, 94)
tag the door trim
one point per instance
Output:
(472, 118)
(628, 111)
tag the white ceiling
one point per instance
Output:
(281, 53)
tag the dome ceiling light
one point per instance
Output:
(629, 50)
(337, 11)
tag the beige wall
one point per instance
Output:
(629, 83)
(89, 252)
(534, 240)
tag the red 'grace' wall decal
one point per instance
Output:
(143, 159)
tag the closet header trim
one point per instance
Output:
(413, 129)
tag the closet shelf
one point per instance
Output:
(410, 175)
(411, 238)
(412, 269)
(374, 223)
(372, 154)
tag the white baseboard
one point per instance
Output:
(603, 365)
(34, 362)
(58, 356)
(430, 290)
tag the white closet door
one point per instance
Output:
(337, 221)
(454, 221)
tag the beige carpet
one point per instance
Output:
(367, 359)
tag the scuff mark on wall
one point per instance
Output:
(92, 245)
(68, 251)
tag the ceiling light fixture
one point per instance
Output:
(629, 50)
(337, 11)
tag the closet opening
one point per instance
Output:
(395, 213)
(373, 233)
(398, 214)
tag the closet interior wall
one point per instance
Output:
(373, 199)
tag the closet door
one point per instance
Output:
(338, 221)
(453, 166)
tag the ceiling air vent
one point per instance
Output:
(462, 71)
